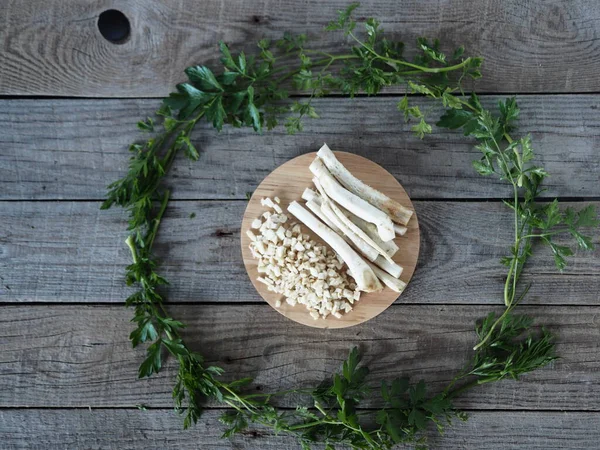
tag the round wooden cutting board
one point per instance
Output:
(288, 182)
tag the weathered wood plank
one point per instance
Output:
(536, 46)
(75, 356)
(73, 252)
(132, 429)
(71, 149)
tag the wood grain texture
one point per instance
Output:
(72, 149)
(53, 47)
(288, 182)
(73, 252)
(159, 429)
(76, 356)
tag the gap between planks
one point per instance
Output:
(263, 303)
(281, 408)
(414, 199)
(305, 95)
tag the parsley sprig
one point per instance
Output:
(251, 90)
(511, 161)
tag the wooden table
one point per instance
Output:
(70, 102)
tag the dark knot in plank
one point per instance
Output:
(114, 26)
(258, 20)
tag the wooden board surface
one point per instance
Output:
(63, 330)
(72, 149)
(53, 47)
(79, 356)
(73, 252)
(110, 429)
(288, 182)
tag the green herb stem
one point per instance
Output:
(465, 387)
(131, 245)
(500, 319)
(158, 217)
(395, 62)
(326, 62)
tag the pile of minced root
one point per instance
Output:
(357, 222)
(304, 271)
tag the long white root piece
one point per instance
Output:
(360, 244)
(322, 194)
(352, 202)
(389, 247)
(356, 230)
(339, 215)
(346, 225)
(394, 269)
(314, 204)
(393, 283)
(362, 273)
(395, 210)
(316, 210)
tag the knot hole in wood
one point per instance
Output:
(114, 26)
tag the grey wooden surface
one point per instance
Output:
(72, 251)
(132, 428)
(73, 149)
(67, 371)
(79, 355)
(53, 47)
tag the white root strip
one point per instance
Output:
(327, 208)
(323, 197)
(351, 238)
(317, 211)
(392, 268)
(393, 283)
(389, 247)
(395, 210)
(352, 202)
(349, 225)
(311, 195)
(360, 244)
(400, 229)
(361, 272)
